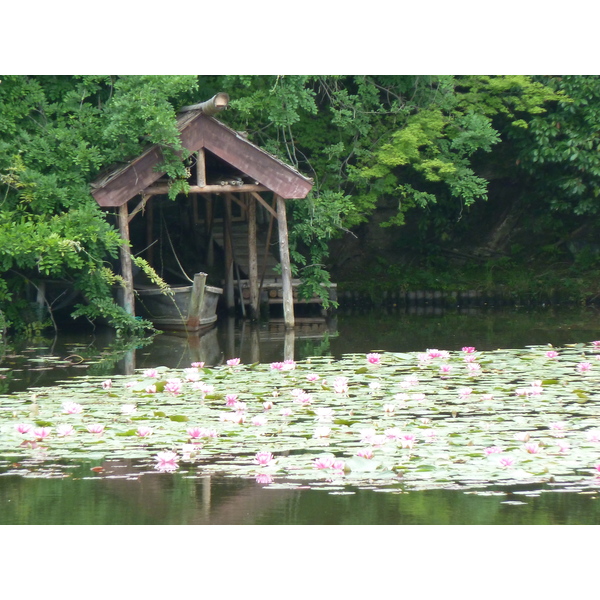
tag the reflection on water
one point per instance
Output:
(114, 497)
(153, 498)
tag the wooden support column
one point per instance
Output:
(150, 233)
(252, 257)
(201, 169)
(286, 267)
(229, 295)
(126, 265)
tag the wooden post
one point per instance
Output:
(229, 295)
(252, 258)
(150, 233)
(201, 169)
(196, 302)
(286, 268)
(126, 265)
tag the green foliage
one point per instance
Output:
(56, 134)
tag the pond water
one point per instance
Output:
(124, 493)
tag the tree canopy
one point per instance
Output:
(415, 144)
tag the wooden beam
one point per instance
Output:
(163, 188)
(286, 267)
(216, 104)
(264, 203)
(140, 206)
(126, 265)
(201, 169)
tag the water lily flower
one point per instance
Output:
(393, 433)
(259, 420)
(191, 375)
(507, 461)
(446, 368)
(289, 365)
(23, 428)
(167, 461)
(240, 406)
(338, 465)
(522, 436)
(435, 353)
(173, 386)
(198, 365)
(201, 432)
(151, 389)
(263, 478)
(430, 435)
(41, 432)
(303, 398)
(286, 412)
(322, 432)
(465, 392)
(340, 385)
(95, 428)
(65, 429)
(408, 440)
(563, 446)
(231, 399)
(277, 366)
(596, 344)
(492, 450)
(264, 459)
(598, 469)
(312, 377)
(487, 397)
(367, 435)
(552, 354)
(107, 384)
(558, 428)
(144, 431)
(72, 408)
(150, 373)
(390, 409)
(474, 367)
(374, 358)
(365, 453)
(128, 409)
(468, 349)
(324, 462)
(233, 362)
(204, 388)
(267, 405)
(532, 447)
(583, 367)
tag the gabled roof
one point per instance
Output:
(201, 131)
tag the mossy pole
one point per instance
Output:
(126, 265)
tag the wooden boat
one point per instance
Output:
(186, 308)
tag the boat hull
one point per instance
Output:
(178, 311)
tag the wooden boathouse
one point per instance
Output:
(261, 180)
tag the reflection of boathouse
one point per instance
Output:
(237, 194)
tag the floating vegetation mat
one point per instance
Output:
(391, 422)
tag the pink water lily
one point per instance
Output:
(173, 386)
(107, 384)
(144, 431)
(324, 462)
(151, 373)
(41, 432)
(492, 450)
(468, 349)
(312, 377)
(340, 385)
(65, 430)
(231, 399)
(583, 367)
(72, 408)
(23, 428)
(268, 405)
(365, 453)
(277, 366)
(374, 358)
(198, 365)
(408, 440)
(167, 461)
(96, 428)
(259, 421)
(552, 354)
(446, 368)
(151, 389)
(532, 447)
(264, 459)
(507, 461)
(233, 362)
